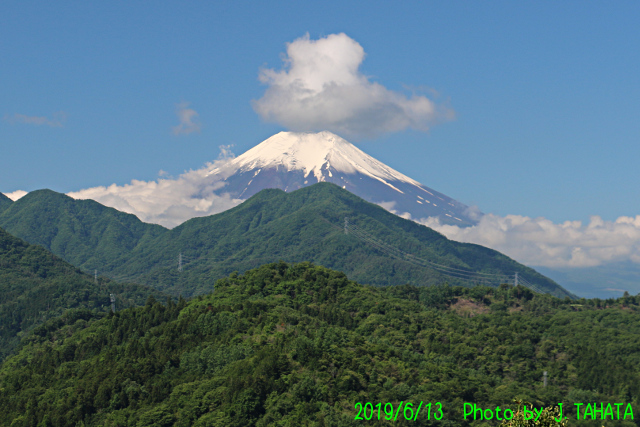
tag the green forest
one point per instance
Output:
(300, 345)
(36, 285)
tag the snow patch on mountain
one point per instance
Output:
(292, 160)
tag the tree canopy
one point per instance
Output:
(299, 344)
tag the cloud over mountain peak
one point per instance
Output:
(321, 88)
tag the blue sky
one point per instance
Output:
(546, 97)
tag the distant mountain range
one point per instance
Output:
(287, 161)
(604, 281)
(305, 225)
(292, 160)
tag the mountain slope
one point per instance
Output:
(5, 202)
(291, 160)
(307, 225)
(83, 232)
(299, 345)
(35, 285)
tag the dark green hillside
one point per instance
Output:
(5, 202)
(307, 225)
(82, 232)
(35, 285)
(298, 345)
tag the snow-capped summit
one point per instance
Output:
(314, 153)
(291, 160)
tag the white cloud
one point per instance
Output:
(189, 121)
(321, 88)
(540, 242)
(16, 194)
(390, 206)
(56, 121)
(167, 201)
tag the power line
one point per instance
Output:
(351, 229)
(457, 273)
(391, 250)
(412, 258)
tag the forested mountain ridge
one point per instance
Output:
(82, 232)
(4, 202)
(301, 345)
(304, 225)
(36, 285)
(307, 225)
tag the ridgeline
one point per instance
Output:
(305, 225)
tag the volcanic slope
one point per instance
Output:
(308, 225)
(35, 285)
(292, 160)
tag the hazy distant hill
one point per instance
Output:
(604, 281)
(82, 232)
(35, 285)
(305, 225)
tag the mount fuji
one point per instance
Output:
(292, 160)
